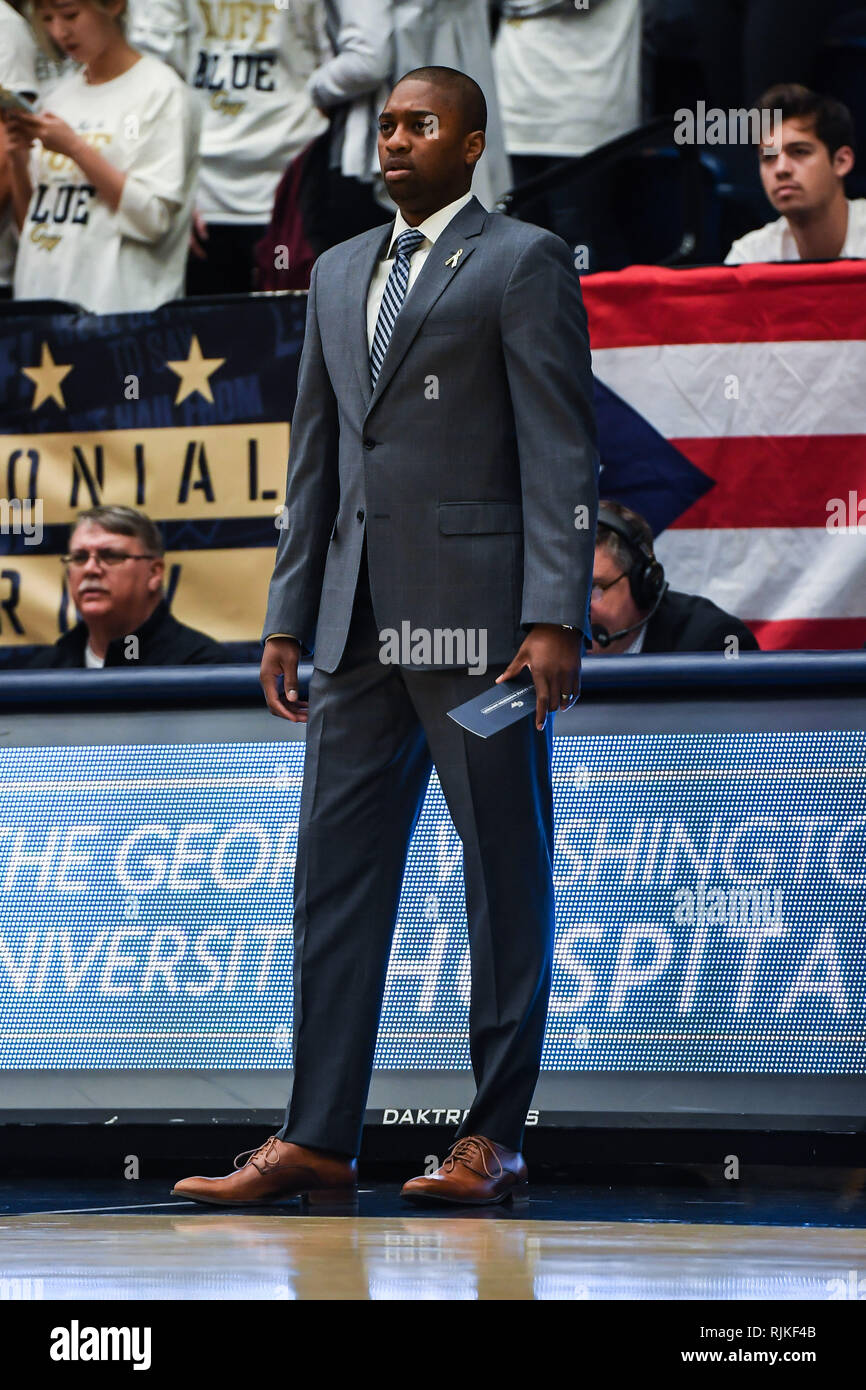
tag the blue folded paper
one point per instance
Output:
(496, 708)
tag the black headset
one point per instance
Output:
(646, 578)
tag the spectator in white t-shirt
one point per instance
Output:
(103, 199)
(249, 65)
(568, 77)
(18, 75)
(803, 166)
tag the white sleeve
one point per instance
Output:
(162, 28)
(734, 256)
(364, 57)
(18, 57)
(166, 159)
(311, 25)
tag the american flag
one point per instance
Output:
(732, 414)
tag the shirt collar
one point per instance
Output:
(79, 636)
(637, 645)
(432, 226)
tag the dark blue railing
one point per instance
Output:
(700, 674)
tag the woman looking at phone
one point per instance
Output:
(102, 182)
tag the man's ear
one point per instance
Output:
(843, 161)
(475, 144)
(156, 577)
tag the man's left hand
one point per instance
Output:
(553, 656)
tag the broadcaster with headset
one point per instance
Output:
(633, 609)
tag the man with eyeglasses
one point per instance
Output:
(114, 571)
(632, 607)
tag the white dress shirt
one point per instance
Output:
(432, 227)
(637, 645)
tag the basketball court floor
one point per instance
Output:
(98, 1240)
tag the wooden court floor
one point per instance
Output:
(174, 1250)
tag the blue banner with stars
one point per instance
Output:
(183, 413)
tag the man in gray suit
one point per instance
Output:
(442, 473)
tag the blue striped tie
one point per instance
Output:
(392, 299)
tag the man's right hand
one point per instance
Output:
(280, 658)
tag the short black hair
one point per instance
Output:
(831, 119)
(461, 88)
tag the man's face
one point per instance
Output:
(121, 594)
(611, 604)
(797, 172)
(425, 155)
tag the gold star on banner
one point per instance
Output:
(47, 376)
(194, 373)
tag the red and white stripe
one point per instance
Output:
(757, 374)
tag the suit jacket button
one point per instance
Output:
(360, 514)
(369, 443)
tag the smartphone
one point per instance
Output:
(16, 101)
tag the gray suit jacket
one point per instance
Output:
(472, 466)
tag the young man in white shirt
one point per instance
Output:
(803, 166)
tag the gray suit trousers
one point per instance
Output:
(374, 731)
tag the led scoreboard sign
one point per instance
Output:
(709, 891)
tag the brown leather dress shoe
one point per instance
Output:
(476, 1171)
(274, 1171)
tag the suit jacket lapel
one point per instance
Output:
(433, 279)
